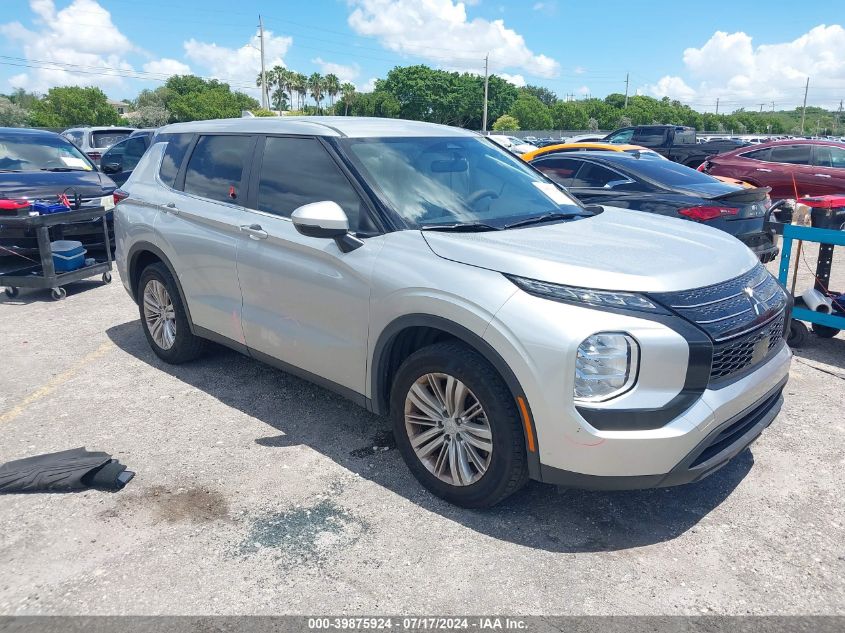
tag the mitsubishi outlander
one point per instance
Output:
(428, 274)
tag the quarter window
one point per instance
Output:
(792, 154)
(595, 176)
(298, 171)
(216, 166)
(177, 145)
(758, 154)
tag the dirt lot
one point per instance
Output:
(259, 493)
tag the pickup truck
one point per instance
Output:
(675, 142)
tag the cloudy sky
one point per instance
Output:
(742, 52)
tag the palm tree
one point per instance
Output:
(347, 91)
(299, 84)
(316, 85)
(281, 75)
(332, 87)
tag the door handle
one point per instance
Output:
(171, 207)
(254, 231)
(822, 175)
(761, 169)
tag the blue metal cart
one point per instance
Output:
(826, 325)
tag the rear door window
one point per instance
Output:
(216, 167)
(561, 170)
(622, 136)
(649, 136)
(829, 156)
(792, 154)
(758, 154)
(298, 171)
(134, 150)
(595, 176)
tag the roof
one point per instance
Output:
(584, 146)
(795, 141)
(25, 131)
(353, 127)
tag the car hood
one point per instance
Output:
(48, 184)
(615, 250)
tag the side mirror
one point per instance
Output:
(111, 168)
(325, 219)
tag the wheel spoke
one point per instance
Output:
(484, 445)
(437, 391)
(424, 401)
(463, 463)
(471, 411)
(427, 441)
(455, 395)
(442, 459)
(479, 463)
(421, 419)
(453, 464)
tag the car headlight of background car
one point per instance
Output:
(605, 366)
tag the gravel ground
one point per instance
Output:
(259, 493)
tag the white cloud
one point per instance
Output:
(730, 67)
(167, 67)
(238, 66)
(440, 31)
(80, 36)
(369, 86)
(344, 72)
(549, 7)
(583, 91)
(516, 80)
(579, 70)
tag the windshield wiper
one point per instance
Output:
(469, 227)
(61, 169)
(547, 217)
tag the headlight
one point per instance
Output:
(599, 298)
(605, 367)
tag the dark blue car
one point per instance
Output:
(39, 165)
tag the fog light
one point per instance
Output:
(605, 367)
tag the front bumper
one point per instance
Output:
(720, 446)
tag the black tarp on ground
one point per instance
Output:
(65, 471)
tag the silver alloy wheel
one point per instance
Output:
(159, 314)
(448, 429)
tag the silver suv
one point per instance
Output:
(429, 275)
(94, 141)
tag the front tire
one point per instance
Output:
(164, 318)
(457, 427)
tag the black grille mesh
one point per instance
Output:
(740, 353)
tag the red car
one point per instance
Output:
(817, 167)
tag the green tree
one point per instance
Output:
(568, 115)
(299, 85)
(347, 95)
(24, 99)
(192, 98)
(331, 84)
(11, 114)
(262, 112)
(148, 116)
(531, 113)
(506, 123)
(72, 105)
(545, 95)
(316, 86)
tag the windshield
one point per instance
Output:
(109, 137)
(30, 152)
(431, 181)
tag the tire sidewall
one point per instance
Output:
(497, 402)
(177, 352)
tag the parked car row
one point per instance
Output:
(508, 330)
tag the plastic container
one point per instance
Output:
(826, 212)
(67, 255)
(43, 207)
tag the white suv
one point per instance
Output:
(431, 276)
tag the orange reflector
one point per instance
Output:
(526, 422)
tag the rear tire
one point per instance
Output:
(824, 331)
(798, 334)
(164, 318)
(484, 417)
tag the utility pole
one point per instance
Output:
(804, 108)
(773, 106)
(839, 115)
(717, 105)
(626, 91)
(761, 107)
(484, 116)
(264, 96)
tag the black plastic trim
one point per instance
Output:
(761, 413)
(695, 382)
(132, 256)
(380, 390)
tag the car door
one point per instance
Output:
(829, 169)
(305, 302)
(200, 225)
(792, 171)
(121, 158)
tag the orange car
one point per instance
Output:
(610, 147)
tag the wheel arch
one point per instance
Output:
(406, 334)
(143, 254)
